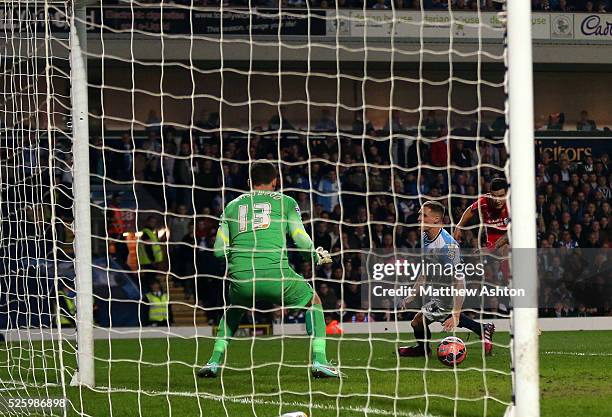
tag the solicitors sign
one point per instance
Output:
(576, 149)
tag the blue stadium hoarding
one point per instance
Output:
(170, 20)
(350, 23)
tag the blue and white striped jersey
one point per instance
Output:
(444, 246)
(442, 254)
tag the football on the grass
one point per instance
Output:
(451, 351)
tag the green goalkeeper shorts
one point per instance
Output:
(277, 286)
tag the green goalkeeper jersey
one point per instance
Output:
(253, 232)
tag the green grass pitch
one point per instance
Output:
(155, 377)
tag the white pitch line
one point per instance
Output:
(306, 362)
(250, 400)
(577, 353)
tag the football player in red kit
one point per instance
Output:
(494, 215)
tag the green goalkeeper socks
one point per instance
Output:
(318, 350)
(227, 326)
(315, 322)
(218, 350)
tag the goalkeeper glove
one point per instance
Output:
(323, 256)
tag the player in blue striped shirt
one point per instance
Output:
(439, 247)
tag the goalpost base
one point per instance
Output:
(76, 381)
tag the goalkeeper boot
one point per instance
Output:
(413, 351)
(210, 370)
(487, 337)
(320, 370)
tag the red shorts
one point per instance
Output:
(504, 265)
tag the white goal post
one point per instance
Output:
(523, 209)
(82, 199)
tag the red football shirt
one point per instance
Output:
(495, 220)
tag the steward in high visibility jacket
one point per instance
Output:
(160, 311)
(67, 308)
(149, 248)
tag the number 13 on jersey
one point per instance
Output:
(261, 216)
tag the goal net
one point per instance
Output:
(366, 110)
(35, 198)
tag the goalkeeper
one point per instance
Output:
(252, 236)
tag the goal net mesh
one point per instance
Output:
(35, 197)
(365, 113)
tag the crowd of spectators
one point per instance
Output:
(588, 6)
(358, 193)
(556, 122)
(573, 203)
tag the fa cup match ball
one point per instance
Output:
(451, 351)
